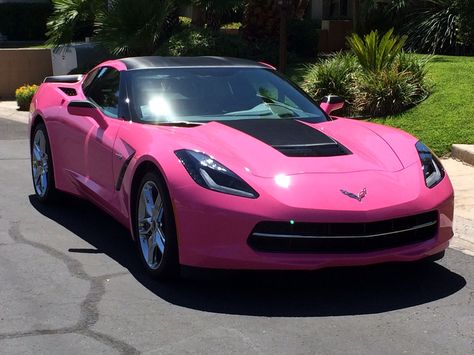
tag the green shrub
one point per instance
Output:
(416, 67)
(184, 21)
(333, 76)
(23, 96)
(232, 26)
(385, 92)
(374, 52)
(190, 42)
(389, 90)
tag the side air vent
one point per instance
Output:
(69, 91)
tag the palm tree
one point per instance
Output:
(72, 20)
(133, 27)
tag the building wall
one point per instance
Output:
(22, 66)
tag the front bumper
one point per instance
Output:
(213, 228)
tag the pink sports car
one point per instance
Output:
(222, 163)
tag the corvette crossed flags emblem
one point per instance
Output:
(357, 197)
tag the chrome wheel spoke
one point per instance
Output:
(148, 200)
(151, 256)
(43, 181)
(160, 240)
(157, 206)
(37, 154)
(37, 177)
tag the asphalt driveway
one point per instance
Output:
(70, 283)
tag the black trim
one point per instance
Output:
(333, 99)
(342, 238)
(82, 104)
(170, 62)
(63, 79)
(290, 137)
(118, 184)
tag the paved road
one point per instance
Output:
(70, 283)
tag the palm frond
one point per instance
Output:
(133, 27)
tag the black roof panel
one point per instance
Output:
(170, 62)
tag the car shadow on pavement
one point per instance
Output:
(328, 292)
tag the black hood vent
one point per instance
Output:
(290, 137)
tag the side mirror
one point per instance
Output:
(86, 109)
(331, 103)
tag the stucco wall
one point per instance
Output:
(22, 66)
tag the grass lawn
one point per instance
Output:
(447, 116)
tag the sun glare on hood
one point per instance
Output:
(282, 180)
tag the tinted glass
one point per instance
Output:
(104, 91)
(89, 79)
(215, 94)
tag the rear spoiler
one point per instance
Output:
(63, 79)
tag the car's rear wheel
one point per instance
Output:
(155, 229)
(42, 165)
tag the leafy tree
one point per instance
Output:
(133, 27)
(72, 20)
(215, 11)
(434, 26)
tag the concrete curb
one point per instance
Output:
(463, 152)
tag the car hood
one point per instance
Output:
(268, 149)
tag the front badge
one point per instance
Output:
(357, 197)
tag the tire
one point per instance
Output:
(42, 170)
(155, 228)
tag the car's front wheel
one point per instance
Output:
(155, 229)
(42, 165)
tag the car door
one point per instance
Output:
(99, 136)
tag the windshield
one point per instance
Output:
(215, 94)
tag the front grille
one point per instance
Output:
(343, 237)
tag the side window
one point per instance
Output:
(104, 90)
(88, 80)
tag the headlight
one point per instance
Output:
(433, 171)
(212, 175)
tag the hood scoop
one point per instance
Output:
(290, 137)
